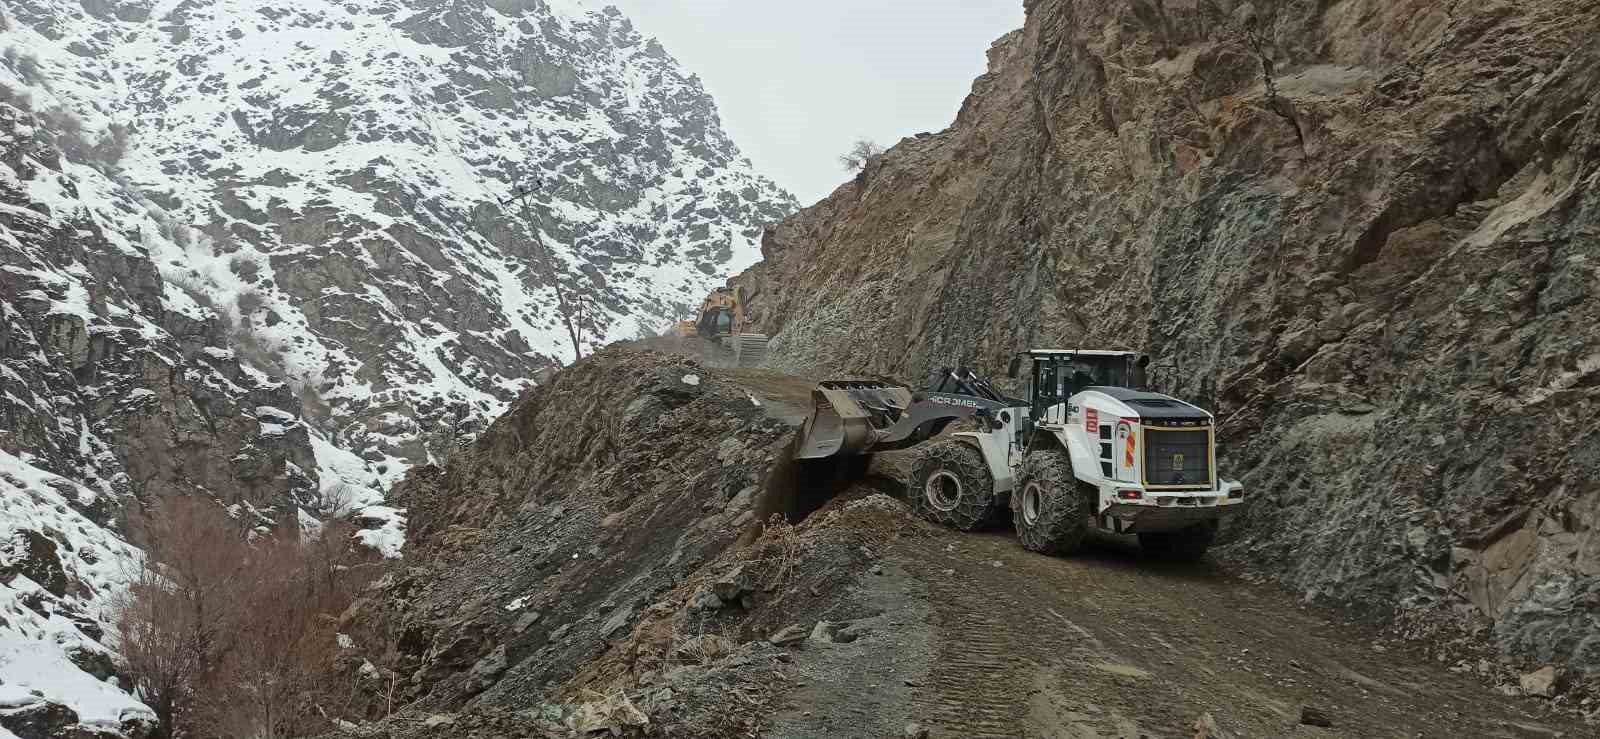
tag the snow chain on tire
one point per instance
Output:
(1049, 507)
(950, 485)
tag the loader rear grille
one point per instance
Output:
(1177, 458)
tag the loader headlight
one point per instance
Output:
(1236, 494)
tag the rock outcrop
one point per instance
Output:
(1373, 227)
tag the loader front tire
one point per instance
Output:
(950, 485)
(1184, 545)
(1050, 508)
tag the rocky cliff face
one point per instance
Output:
(259, 252)
(1374, 225)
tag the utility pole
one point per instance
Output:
(565, 305)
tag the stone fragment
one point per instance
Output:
(1540, 683)
(1311, 716)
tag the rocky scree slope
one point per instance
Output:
(1374, 225)
(605, 504)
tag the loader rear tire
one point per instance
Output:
(950, 485)
(1184, 545)
(1050, 508)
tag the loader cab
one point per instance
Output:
(1058, 374)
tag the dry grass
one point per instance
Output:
(702, 649)
(779, 552)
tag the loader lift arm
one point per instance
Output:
(963, 381)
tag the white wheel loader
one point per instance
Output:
(1089, 450)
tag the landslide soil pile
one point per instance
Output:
(1368, 234)
(578, 563)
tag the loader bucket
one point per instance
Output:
(848, 418)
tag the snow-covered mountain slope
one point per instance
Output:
(348, 167)
(115, 391)
(262, 251)
(51, 601)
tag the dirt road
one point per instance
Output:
(975, 637)
(1106, 644)
(971, 636)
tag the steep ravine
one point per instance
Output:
(1374, 226)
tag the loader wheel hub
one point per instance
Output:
(1032, 502)
(943, 490)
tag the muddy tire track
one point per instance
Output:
(989, 646)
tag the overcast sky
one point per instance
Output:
(797, 81)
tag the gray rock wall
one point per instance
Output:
(1386, 261)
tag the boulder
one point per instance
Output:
(487, 671)
(1541, 683)
(1311, 716)
(792, 634)
(39, 720)
(33, 555)
(732, 586)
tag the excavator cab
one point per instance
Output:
(716, 323)
(722, 319)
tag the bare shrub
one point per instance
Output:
(175, 618)
(16, 98)
(170, 229)
(313, 404)
(70, 138)
(253, 348)
(249, 301)
(26, 65)
(194, 285)
(335, 500)
(861, 153)
(228, 637)
(112, 147)
(247, 269)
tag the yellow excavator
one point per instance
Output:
(722, 319)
